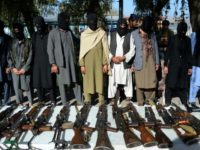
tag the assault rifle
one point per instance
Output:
(179, 123)
(15, 122)
(147, 138)
(61, 118)
(40, 125)
(161, 138)
(131, 140)
(103, 141)
(79, 140)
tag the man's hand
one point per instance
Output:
(189, 71)
(165, 70)
(105, 68)
(54, 68)
(157, 67)
(83, 70)
(15, 71)
(122, 58)
(8, 70)
(116, 59)
(132, 68)
(22, 71)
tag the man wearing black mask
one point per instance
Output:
(5, 78)
(61, 54)
(93, 59)
(122, 51)
(146, 61)
(178, 65)
(19, 60)
(42, 79)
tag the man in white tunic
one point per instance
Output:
(122, 51)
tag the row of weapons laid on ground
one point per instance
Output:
(13, 125)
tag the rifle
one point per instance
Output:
(40, 125)
(15, 122)
(131, 140)
(103, 141)
(192, 120)
(79, 140)
(179, 123)
(61, 118)
(161, 138)
(147, 138)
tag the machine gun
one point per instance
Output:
(79, 140)
(161, 138)
(147, 138)
(131, 140)
(103, 141)
(179, 123)
(61, 119)
(40, 125)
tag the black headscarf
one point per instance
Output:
(40, 24)
(63, 21)
(147, 24)
(182, 29)
(20, 34)
(1, 27)
(92, 21)
(122, 31)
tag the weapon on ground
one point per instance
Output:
(147, 138)
(161, 138)
(131, 140)
(103, 141)
(79, 140)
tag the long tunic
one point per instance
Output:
(93, 61)
(61, 52)
(178, 60)
(20, 57)
(119, 74)
(41, 74)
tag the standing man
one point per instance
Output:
(178, 65)
(122, 51)
(146, 61)
(61, 54)
(133, 22)
(19, 60)
(5, 78)
(41, 74)
(93, 59)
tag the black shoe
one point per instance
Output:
(188, 108)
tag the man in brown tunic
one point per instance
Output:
(93, 59)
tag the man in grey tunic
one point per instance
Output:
(62, 57)
(19, 60)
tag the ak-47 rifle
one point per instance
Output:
(79, 140)
(103, 141)
(41, 124)
(179, 123)
(147, 138)
(61, 118)
(161, 138)
(15, 122)
(131, 140)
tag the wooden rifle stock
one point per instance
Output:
(103, 141)
(130, 138)
(161, 138)
(78, 140)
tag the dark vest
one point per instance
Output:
(126, 47)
